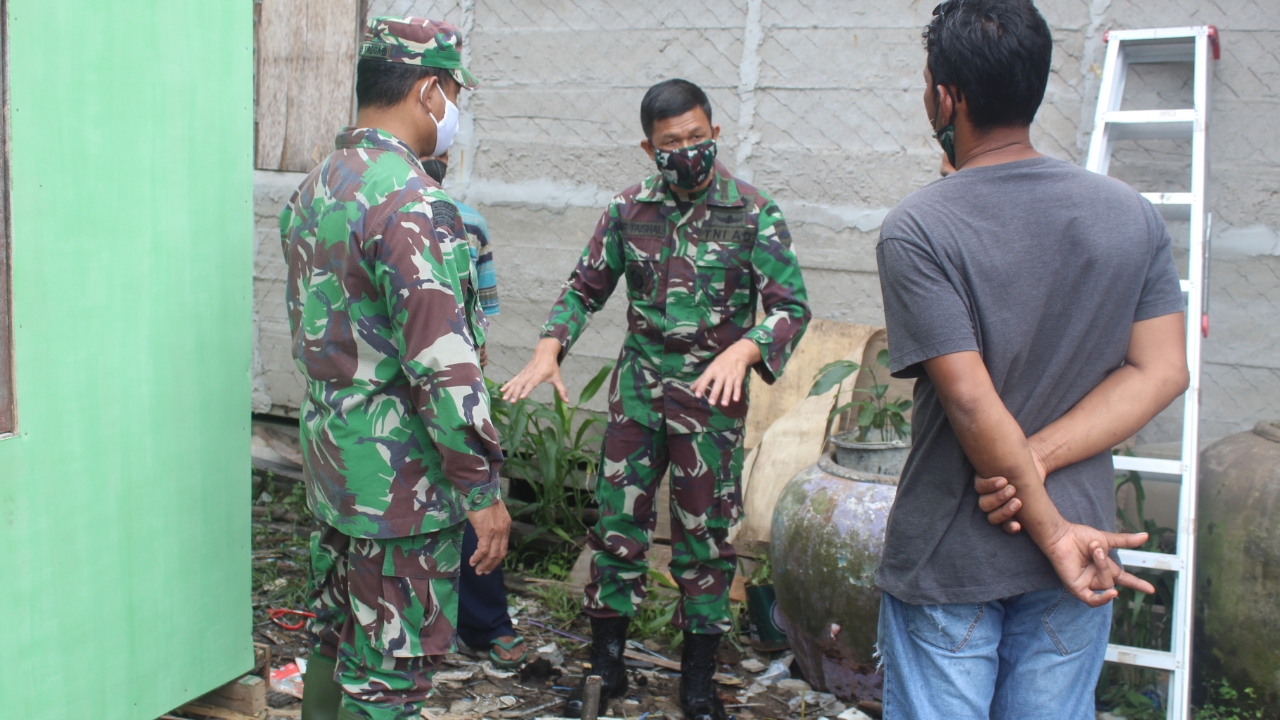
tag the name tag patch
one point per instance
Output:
(644, 229)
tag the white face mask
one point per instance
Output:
(447, 128)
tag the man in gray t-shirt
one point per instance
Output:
(1039, 306)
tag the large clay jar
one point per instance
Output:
(827, 539)
(1238, 561)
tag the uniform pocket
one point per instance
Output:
(726, 510)
(404, 592)
(724, 273)
(643, 255)
(946, 627)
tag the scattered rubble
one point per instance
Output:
(754, 684)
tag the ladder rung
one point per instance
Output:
(1157, 659)
(1189, 32)
(1151, 465)
(1173, 207)
(1179, 49)
(1151, 561)
(1143, 124)
(1185, 284)
(1169, 198)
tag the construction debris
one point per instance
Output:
(753, 683)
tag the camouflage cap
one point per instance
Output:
(417, 41)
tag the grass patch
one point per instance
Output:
(563, 604)
(555, 565)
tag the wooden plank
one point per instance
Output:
(271, 79)
(721, 678)
(198, 708)
(305, 79)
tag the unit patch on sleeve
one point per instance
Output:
(443, 213)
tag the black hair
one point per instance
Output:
(668, 99)
(384, 84)
(994, 55)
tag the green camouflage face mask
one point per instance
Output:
(946, 137)
(686, 168)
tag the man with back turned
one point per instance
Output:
(1038, 305)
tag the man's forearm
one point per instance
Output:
(992, 438)
(1119, 407)
(1154, 373)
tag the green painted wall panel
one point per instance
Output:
(124, 521)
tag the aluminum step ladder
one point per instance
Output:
(1195, 45)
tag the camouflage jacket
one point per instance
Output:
(396, 434)
(693, 283)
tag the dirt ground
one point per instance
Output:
(544, 612)
(469, 686)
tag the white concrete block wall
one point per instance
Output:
(820, 104)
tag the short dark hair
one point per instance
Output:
(384, 84)
(669, 99)
(994, 54)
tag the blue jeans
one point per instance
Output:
(1027, 657)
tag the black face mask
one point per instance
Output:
(436, 168)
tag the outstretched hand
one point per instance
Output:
(543, 367)
(1080, 555)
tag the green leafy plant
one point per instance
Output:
(1138, 619)
(874, 412)
(542, 564)
(551, 447)
(1226, 703)
(654, 615)
(762, 574)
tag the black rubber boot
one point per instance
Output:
(698, 695)
(608, 642)
(321, 694)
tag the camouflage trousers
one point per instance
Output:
(706, 499)
(386, 610)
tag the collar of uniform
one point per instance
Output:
(724, 191)
(353, 138)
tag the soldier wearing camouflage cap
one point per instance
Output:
(699, 250)
(398, 444)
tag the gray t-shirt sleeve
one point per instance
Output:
(1161, 291)
(923, 310)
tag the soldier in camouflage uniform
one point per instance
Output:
(398, 445)
(699, 249)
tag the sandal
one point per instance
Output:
(499, 661)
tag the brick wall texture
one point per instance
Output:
(820, 104)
